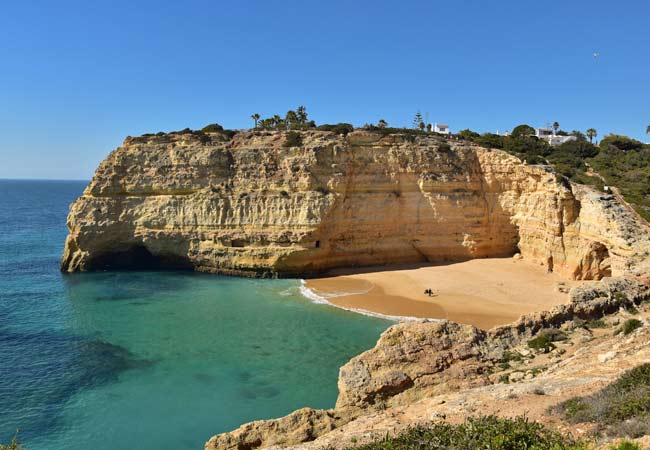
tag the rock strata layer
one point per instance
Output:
(250, 206)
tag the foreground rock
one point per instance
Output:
(416, 368)
(248, 205)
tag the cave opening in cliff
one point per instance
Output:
(138, 257)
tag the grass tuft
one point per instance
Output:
(488, 432)
(620, 409)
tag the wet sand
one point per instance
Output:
(481, 292)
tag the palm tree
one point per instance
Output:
(255, 117)
(591, 134)
(291, 119)
(382, 123)
(301, 112)
(556, 126)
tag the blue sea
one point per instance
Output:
(149, 360)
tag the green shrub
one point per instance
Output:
(522, 130)
(490, 140)
(630, 325)
(292, 139)
(596, 323)
(620, 409)
(545, 338)
(512, 356)
(339, 128)
(626, 445)
(621, 142)
(212, 128)
(468, 134)
(480, 433)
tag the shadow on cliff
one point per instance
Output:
(137, 257)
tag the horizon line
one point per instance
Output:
(43, 179)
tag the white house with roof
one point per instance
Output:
(441, 128)
(548, 134)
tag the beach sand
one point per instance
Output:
(481, 292)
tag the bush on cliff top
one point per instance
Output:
(620, 409)
(292, 139)
(487, 432)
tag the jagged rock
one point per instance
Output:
(299, 426)
(516, 376)
(413, 355)
(248, 205)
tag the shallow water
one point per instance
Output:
(148, 360)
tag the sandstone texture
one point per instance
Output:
(250, 206)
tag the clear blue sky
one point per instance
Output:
(76, 77)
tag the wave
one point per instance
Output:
(323, 298)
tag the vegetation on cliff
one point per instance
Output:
(620, 409)
(621, 161)
(488, 432)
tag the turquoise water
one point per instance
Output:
(149, 360)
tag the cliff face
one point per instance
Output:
(251, 206)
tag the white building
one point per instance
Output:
(548, 134)
(441, 128)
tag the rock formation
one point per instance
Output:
(416, 364)
(250, 206)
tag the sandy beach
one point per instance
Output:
(481, 292)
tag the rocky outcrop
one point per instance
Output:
(302, 425)
(416, 361)
(249, 205)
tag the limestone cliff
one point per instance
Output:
(249, 205)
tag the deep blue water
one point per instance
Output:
(149, 360)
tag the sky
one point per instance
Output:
(77, 77)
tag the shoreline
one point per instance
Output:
(324, 299)
(481, 292)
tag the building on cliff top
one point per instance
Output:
(441, 128)
(548, 134)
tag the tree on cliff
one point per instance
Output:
(382, 123)
(301, 114)
(523, 130)
(417, 120)
(291, 119)
(256, 118)
(556, 126)
(591, 134)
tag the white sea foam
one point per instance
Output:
(323, 298)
